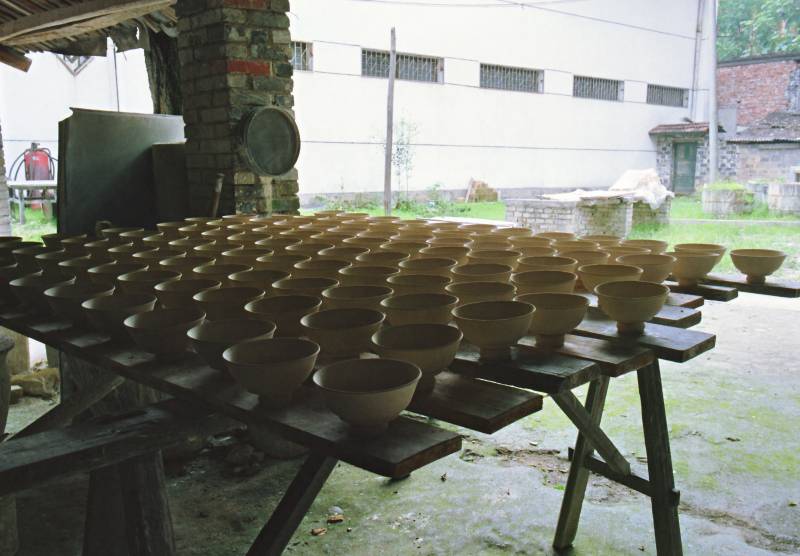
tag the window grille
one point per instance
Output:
(512, 79)
(595, 87)
(411, 67)
(667, 96)
(302, 56)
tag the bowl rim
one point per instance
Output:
(305, 342)
(663, 290)
(451, 300)
(249, 306)
(325, 369)
(135, 299)
(387, 291)
(607, 269)
(191, 315)
(562, 295)
(422, 327)
(467, 306)
(255, 292)
(767, 253)
(226, 324)
(376, 319)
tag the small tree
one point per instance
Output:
(403, 150)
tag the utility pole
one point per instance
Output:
(387, 169)
(713, 145)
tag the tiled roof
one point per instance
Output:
(777, 127)
(684, 128)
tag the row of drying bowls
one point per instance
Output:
(263, 297)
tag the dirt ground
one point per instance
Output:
(733, 417)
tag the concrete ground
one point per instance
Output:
(733, 417)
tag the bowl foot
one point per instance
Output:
(630, 328)
(756, 279)
(687, 282)
(549, 341)
(496, 353)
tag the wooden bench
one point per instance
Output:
(19, 193)
(778, 288)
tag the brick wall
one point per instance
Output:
(5, 221)
(767, 162)
(759, 88)
(728, 159)
(606, 216)
(235, 56)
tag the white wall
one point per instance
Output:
(32, 103)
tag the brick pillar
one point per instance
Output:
(235, 56)
(5, 219)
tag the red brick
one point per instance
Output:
(250, 67)
(757, 89)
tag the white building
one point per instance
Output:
(450, 103)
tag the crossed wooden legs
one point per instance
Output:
(660, 486)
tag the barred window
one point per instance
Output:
(512, 79)
(302, 56)
(375, 63)
(596, 87)
(667, 96)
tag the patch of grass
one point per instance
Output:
(724, 186)
(691, 208)
(486, 210)
(36, 225)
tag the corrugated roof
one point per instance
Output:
(677, 129)
(777, 127)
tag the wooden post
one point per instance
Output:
(387, 167)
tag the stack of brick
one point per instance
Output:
(586, 217)
(235, 57)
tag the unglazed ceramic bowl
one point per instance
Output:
(273, 369)
(350, 297)
(244, 255)
(616, 251)
(586, 257)
(48, 262)
(482, 272)
(568, 245)
(26, 256)
(656, 268)
(419, 308)
(107, 273)
(179, 293)
(655, 246)
(556, 236)
(592, 275)
(366, 275)
(381, 258)
(163, 332)
(143, 281)
(342, 332)
(211, 338)
(538, 251)
(278, 261)
(556, 315)
(494, 326)
(428, 265)
(77, 268)
(403, 284)
(454, 252)
(65, 301)
(719, 250)
(29, 289)
(227, 303)
(501, 256)
(631, 303)
(692, 266)
(368, 394)
(9, 272)
(343, 253)
(107, 313)
(473, 292)
(544, 281)
(285, 311)
(603, 240)
(431, 347)
(262, 279)
(303, 286)
(524, 243)
(319, 268)
(219, 271)
(757, 264)
(565, 264)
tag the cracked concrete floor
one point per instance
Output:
(733, 416)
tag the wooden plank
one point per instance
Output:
(714, 293)
(613, 358)
(14, 59)
(669, 315)
(777, 288)
(539, 371)
(685, 300)
(407, 445)
(57, 17)
(667, 342)
(476, 404)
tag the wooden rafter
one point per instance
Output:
(14, 59)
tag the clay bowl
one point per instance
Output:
(170, 229)
(50, 240)
(556, 315)
(342, 332)
(303, 286)
(556, 236)
(586, 257)
(179, 293)
(371, 243)
(193, 230)
(428, 265)
(74, 244)
(227, 303)
(262, 279)
(381, 258)
(485, 244)
(592, 275)
(349, 297)
(107, 313)
(603, 240)
(107, 273)
(448, 241)
(458, 254)
(494, 326)
(185, 264)
(158, 241)
(273, 369)
(99, 249)
(544, 281)
(248, 239)
(478, 228)
(692, 266)
(514, 231)
(719, 250)
(368, 394)
(482, 272)
(431, 347)
(506, 257)
(576, 245)
(65, 301)
(565, 264)
(11, 272)
(143, 281)
(278, 244)
(26, 256)
(409, 237)
(244, 255)
(284, 262)
(163, 332)
(419, 308)
(535, 252)
(631, 304)
(616, 251)
(410, 248)
(186, 244)
(110, 233)
(29, 289)
(366, 275)
(319, 268)
(220, 272)
(285, 311)
(656, 267)
(77, 268)
(655, 246)
(403, 284)
(757, 264)
(473, 292)
(7, 248)
(136, 236)
(153, 256)
(48, 262)
(125, 253)
(308, 248)
(343, 253)
(524, 242)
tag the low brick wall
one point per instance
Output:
(644, 215)
(724, 202)
(784, 198)
(597, 216)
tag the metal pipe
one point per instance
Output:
(713, 145)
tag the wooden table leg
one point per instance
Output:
(294, 505)
(578, 474)
(663, 497)
(128, 511)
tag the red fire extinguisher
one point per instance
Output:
(38, 162)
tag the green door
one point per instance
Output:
(684, 157)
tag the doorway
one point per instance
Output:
(684, 160)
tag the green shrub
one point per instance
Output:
(724, 186)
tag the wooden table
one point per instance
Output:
(17, 194)
(772, 286)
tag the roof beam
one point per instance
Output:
(14, 59)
